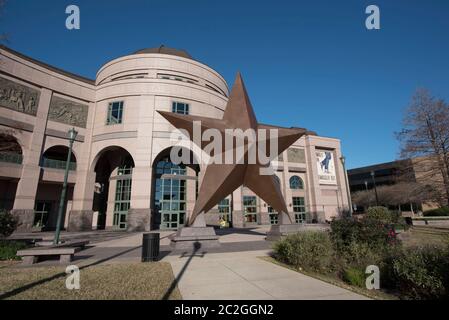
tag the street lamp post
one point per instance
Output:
(373, 176)
(348, 192)
(72, 136)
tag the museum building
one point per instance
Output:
(121, 176)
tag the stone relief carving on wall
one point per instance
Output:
(68, 112)
(296, 155)
(18, 97)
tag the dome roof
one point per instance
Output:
(165, 50)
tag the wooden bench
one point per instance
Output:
(30, 256)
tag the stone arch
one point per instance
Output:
(296, 183)
(11, 152)
(11, 149)
(113, 167)
(56, 157)
(170, 195)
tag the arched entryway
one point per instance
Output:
(56, 158)
(11, 158)
(113, 183)
(174, 191)
(53, 161)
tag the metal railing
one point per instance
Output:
(11, 157)
(57, 164)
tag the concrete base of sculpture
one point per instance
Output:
(195, 238)
(279, 231)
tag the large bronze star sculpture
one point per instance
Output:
(220, 180)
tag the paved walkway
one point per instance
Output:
(244, 276)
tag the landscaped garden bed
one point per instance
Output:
(8, 249)
(343, 254)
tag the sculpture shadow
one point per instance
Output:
(196, 248)
(248, 231)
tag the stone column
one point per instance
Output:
(111, 201)
(139, 216)
(190, 193)
(314, 190)
(263, 213)
(83, 194)
(237, 206)
(27, 186)
(288, 194)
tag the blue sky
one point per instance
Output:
(308, 64)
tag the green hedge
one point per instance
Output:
(440, 212)
(308, 250)
(8, 249)
(354, 244)
(419, 273)
(8, 223)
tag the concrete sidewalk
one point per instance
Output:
(244, 276)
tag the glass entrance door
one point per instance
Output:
(122, 198)
(171, 198)
(250, 209)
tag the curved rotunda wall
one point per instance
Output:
(146, 83)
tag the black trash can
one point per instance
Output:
(150, 247)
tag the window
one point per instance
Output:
(296, 183)
(299, 208)
(250, 209)
(224, 208)
(115, 113)
(274, 216)
(41, 213)
(181, 108)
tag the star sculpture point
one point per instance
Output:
(220, 180)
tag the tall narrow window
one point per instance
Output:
(115, 113)
(299, 208)
(181, 108)
(274, 216)
(250, 209)
(224, 208)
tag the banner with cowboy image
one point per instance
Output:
(326, 167)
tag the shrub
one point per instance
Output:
(8, 223)
(440, 212)
(382, 214)
(372, 232)
(8, 249)
(361, 255)
(355, 277)
(419, 273)
(310, 250)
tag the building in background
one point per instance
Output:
(405, 185)
(121, 176)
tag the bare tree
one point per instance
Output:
(396, 195)
(425, 139)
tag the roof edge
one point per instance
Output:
(48, 66)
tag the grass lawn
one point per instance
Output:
(424, 236)
(137, 281)
(373, 294)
